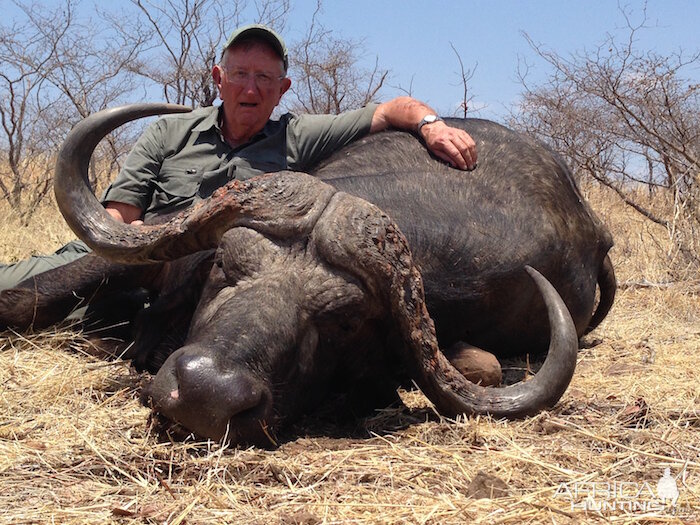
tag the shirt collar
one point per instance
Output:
(211, 121)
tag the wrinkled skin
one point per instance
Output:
(312, 289)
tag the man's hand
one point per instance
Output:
(122, 212)
(453, 145)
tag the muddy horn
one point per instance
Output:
(364, 241)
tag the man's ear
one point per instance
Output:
(216, 76)
(285, 85)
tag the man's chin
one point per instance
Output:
(250, 117)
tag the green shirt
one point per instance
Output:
(183, 158)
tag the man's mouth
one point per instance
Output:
(248, 104)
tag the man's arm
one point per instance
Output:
(127, 197)
(454, 146)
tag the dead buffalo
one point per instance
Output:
(290, 286)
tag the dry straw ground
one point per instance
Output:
(77, 447)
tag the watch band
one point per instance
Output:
(428, 119)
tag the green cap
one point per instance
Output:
(264, 33)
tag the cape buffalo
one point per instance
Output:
(291, 285)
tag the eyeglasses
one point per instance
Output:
(239, 77)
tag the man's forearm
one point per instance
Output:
(400, 113)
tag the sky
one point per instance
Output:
(412, 39)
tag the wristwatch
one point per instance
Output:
(428, 119)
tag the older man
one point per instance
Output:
(183, 158)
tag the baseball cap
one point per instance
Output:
(263, 32)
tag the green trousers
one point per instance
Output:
(13, 274)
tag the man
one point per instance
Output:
(183, 158)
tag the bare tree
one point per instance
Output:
(627, 119)
(328, 78)
(26, 51)
(408, 91)
(187, 34)
(50, 80)
(465, 75)
(272, 13)
(186, 39)
(85, 79)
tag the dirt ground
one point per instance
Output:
(76, 445)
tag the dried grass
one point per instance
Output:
(76, 446)
(44, 232)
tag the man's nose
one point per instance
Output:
(250, 85)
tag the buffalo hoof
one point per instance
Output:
(479, 366)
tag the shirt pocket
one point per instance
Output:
(212, 180)
(175, 188)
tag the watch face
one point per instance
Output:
(428, 119)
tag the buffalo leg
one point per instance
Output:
(49, 297)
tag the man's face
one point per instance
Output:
(251, 82)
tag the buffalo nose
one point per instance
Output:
(205, 399)
(199, 380)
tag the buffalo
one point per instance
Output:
(280, 289)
